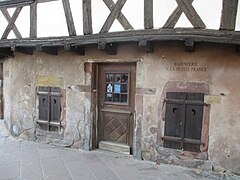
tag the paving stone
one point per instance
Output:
(10, 170)
(70, 155)
(98, 167)
(48, 153)
(79, 169)
(27, 160)
(31, 170)
(53, 167)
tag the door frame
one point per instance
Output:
(95, 101)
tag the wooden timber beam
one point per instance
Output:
(121, 18)
(52, 50)
(24, 50)
(80, 50)
(12, 22)
(238, 49)
(190, 45)
(8, 18)
(152, 35)
(33, 20)
(116, 10)
(229, 14)
(174, 17)
(15, 3)
(191, 14)
(146, 46)
(69, 18)
(109, 48)
(6, 52)
(148, 14)
(87, 17)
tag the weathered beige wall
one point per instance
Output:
(220, 67)
(24, 73)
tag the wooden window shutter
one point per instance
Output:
(183, 121)
(49, 108)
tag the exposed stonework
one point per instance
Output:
(211, 69)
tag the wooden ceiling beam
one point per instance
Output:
(190, 45)
(6, 52)
(238, 49)
(146, 46)
(152, 35)
(52, 50)
(80, 50)
(109, 48)
(25, 50)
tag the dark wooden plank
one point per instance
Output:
(15, 3)
(87, 17)
(121, 18)
(229, 14)
(113, 15)
(191, 14)
(52, 50)
(25, 50)
(8, 18)
(33, 20)
(80, 50)
(44, 1)
(190, 45)
(12, 22)
(5, 52)
(148, 14)
(109, 48)
(69, 18)
(146, 46)
(174, 17)
(153, 35)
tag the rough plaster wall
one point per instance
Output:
(21, 77)
(222, 74)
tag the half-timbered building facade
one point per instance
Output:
(153, 78)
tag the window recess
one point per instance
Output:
(183, 121)
(49, 99)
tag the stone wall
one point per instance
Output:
(24, 73)
(212, 69)
(215, 66)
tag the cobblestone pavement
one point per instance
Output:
(27, 160)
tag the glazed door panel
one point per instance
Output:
(116, 84)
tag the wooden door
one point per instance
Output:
(116, 85)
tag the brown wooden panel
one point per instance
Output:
(116, 120)
(183, 120)
(115, 127)
(229, 14)
(87, 17)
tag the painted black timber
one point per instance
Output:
(157, 35)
